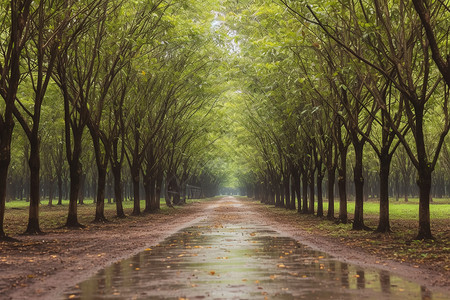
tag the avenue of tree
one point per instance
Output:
(157, 96)
(340, 86)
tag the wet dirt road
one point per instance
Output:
(230, 254)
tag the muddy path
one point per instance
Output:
(49, 266)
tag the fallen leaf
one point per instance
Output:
(212, 272)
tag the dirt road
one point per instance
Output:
(48, 266)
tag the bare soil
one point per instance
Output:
(46, 265)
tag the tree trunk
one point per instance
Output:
(296, 189)
(424, 183)
(425, 170)
(342, 184)
(159, 182)
(305, 192)
(75, 174)
(34, 164)
(82, 189)
(118, 190)
(311, 192)
(358, 178)
(331, 173)
(383, 223)
(152, 191)
(136, 197)
(4, 164)
(148, 190)
(319, 194)
(100, 203)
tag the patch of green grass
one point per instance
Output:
(439, 209)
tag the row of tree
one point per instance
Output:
(139, 76)
(329, 79)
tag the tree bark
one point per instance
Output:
(358, 178)
(383, 223)
(34, 164)
(342, 184)
(118, 190)
(331, 173)
(311, 192)
(319, 194)
(135, 178)
(305, 192)
(100, 203)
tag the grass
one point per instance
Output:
(399, 210)
(52, 217)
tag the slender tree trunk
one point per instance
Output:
(425, 170)
(342, 184)
(296, 189)
(118, 190)
(158, 188)
(4, 164)
(287, 192)
(311, 192)
(319, 193)
(136, 197)
(75, 175)
(51, 182)
(148, 193)
(100, 203)
(305, 192)
(358, 178)
(277, 194)
(34, 164)
(153, 193)
(383, 224)
(331, 173)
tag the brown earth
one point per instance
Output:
(46, 265)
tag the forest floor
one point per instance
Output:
(44, 266)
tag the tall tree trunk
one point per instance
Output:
(319, 193)
(287, 192)
(383, 223)
(296, 191)
(152, 193)
(358, 178)
(4, 164)
(147, 194)
(305, 192)
(100, 202)
(158, 188)
(342, 184)
(425, 170)
(331, 173)
(136, 197)
(75, 176)
(118, 190)
(60, 189)
(311, 192)
(34, 164)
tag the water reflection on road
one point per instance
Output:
(240, 261)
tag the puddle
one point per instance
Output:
(230, 261)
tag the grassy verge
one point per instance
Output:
(53, 217)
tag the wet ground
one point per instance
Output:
(230, 255)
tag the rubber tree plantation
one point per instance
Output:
(143, 117)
